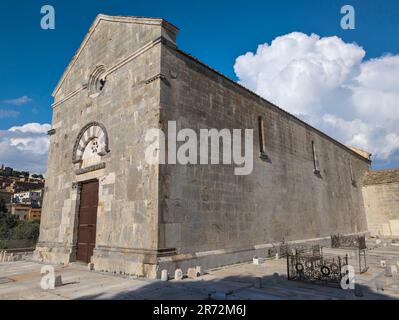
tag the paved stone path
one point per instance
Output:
(21, 280)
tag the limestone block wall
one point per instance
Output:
(381, 203)
(128, 187)
(206, 209)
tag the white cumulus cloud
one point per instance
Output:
(327, 83)
(25, 147)
(32, 128)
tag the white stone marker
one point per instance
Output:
(191, 273)
(164, 275)
(178, 274)
(198, 270)
(257, 260)
(276, 256)
(383, 263)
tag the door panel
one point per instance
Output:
(87, 221)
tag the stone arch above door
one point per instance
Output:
(92, 140)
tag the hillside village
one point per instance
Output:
(21, 193)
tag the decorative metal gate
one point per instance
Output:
(355, 242)
(316, 268)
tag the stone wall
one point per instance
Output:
(206, 210)
(14, 255)
(381, 201)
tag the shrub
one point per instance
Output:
(25, 230)
(7, 222)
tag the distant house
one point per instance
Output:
(24, 212)
(32, 197)
(34, 214)
(15, 181)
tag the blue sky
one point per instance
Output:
(216, 32)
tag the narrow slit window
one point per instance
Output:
(316, 168)
(261, 135)
(351, 173)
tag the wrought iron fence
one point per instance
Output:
(284, 250)
(316, 268)
(315, 250)
(348, 241)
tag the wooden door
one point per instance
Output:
(87, 221)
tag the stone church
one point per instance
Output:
(106, 205)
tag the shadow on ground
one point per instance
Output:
(243, 287)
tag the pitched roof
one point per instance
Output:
(361, 152)
(364, 155)
(381, 177)
(99, 18)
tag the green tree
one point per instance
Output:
(25, 173)
(16, 173)
(7, 222)
(25, 231)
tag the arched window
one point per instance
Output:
(96, 81)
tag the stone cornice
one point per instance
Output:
(69, 95)
(90, 169)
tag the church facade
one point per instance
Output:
(105, 204)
